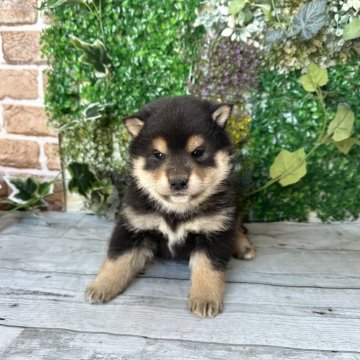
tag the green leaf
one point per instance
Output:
(24, 189)
(341, 127)
(266, 8)
(45, 188)
(95, 110)
(314, 77)
(274, 35)
(291, 166)
(82, 179)
(346, 145)
(352, 30)
(29, 192)
(94, 54)
(236, 6)
(309, 20)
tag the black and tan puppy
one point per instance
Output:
(179, 202)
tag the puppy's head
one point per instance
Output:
(180, 152)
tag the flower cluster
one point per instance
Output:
(251, 21)
(325, 49)
(222, 17)
(227, 70)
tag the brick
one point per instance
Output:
(45, 81)
(22, 47)
(19, 153)
(53, 157)
(14, 12)
(19, 84)
(4, 193)
(4, 189)
(56, 200)
(27, 120)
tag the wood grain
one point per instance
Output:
(299, 299)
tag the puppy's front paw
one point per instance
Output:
(204, 307)
(100, 292)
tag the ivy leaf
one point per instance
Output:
(291, 166)
(274, 35)
(94, 111)
(346, 145)
(45, 188)
(314, 77)
(82, 179)
(309, 20)
(29, 192)
(352, 30)
(93, 54)
(341, 127)
(236, 6)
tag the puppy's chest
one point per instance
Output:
(177, 232)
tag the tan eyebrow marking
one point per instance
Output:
(194, 142)
(160, 145)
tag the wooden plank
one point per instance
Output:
(292, 301)
(43, 225)
(61, 344)
(7, 336)
(344, 236)
(277, 266)
(175, 322)
(319, 319)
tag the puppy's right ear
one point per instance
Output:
(133, 124)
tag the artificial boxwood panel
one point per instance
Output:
(286, 117)
(150, 44)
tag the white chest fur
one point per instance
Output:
(201, 224)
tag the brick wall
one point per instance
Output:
(27, 145)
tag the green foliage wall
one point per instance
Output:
(149, 43)
(287, 117)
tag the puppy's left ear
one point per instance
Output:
(133, 124)
(221, 114)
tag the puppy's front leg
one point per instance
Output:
(128, 254)
(116, 273)
(207, 286)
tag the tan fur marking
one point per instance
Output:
(115, 275)
(158, 174)
(194, 142)
(160, 145)
(243, 248)
(201, 173)
(207, 287)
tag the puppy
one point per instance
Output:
(179, 202)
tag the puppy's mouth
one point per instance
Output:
(180, 197)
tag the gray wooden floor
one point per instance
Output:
(299, 299)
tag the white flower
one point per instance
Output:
(223, 10)
(339, 32)
(227, 32)
(231, 22)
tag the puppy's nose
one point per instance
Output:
(178, 184)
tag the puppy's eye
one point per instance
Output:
(159, 155)
(197, 153)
